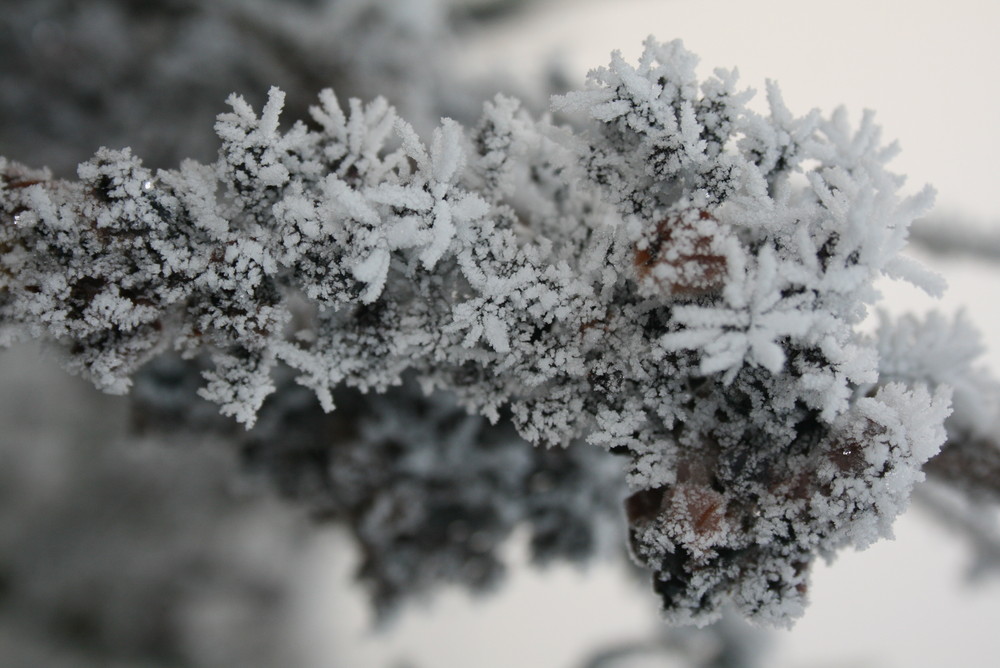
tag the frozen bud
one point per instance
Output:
(682, 256)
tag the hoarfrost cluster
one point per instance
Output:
(656, 270)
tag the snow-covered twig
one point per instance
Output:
(672, 277)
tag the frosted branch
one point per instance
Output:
(652, 280)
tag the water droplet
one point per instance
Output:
(17, 219)
(147, 185)
(847, 452)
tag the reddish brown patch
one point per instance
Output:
(16, 177)
(24, 183)
(706, 508)
(847, 456)
(704, 269)
(801, 569)
(698, 472)
(799, 486)
(644, 505)
(599, 324)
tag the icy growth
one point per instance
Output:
(651, 279)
